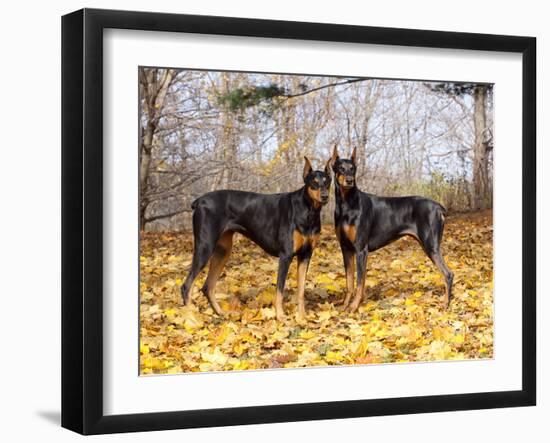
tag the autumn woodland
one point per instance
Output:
(202, 131)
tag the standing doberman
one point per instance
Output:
(365, 222)
(284, 225)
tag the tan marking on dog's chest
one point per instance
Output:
(301, 240)
(350, 232)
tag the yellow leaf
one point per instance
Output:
(307, 334)
(217, 357)
(241, 365)
(267, 313)
(361, 348)
(458, 339)
(239, 348)
(144, 349)
(396, 264)
(266, 297)
(439, 350)
(170, 312)
(334, 357)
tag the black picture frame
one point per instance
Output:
(82, 218)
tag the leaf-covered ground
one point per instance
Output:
(401, 321)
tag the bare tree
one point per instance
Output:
(482, 147)
(154, 84)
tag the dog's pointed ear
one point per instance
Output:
(328, 167)
(307, 167)
(333, 158)
(354, 156)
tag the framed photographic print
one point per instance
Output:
(303, 221)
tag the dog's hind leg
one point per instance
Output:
(201, 255)
(430, 240)
(217, 262)
(447, 275)
(205, 242)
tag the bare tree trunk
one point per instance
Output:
(369, 104)
(226, 143)
(155, 87)
(481, 159)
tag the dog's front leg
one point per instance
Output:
(349, 265)
(303, 265)
(361, 277)
(284, 264)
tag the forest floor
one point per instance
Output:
(401, 320)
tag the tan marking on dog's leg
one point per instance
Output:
(350, 280)
(360, 290)
(302, 271)
(217, 262)
(278, 304)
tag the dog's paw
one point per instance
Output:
(301, 318)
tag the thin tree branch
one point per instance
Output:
(329, 85)
(168, 215)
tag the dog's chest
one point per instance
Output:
(305, 240)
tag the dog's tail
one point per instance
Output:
(195, 203)
(441, 213)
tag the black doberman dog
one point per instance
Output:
(366, 222)
(284, 225)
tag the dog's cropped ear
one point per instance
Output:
(354, 155)
(334, 158)
(328, 167)
(307, 167)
